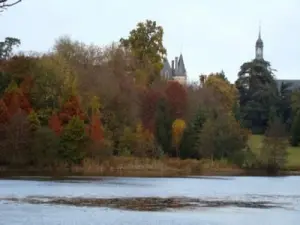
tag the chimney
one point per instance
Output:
(176, 63)
(172, 67)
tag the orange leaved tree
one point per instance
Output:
(70, 109)
(55, 124)
(96, 129)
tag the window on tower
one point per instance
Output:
(166, 74)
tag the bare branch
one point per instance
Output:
(4, 4)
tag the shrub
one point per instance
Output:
(73, 141)
(222, 137)
(273, 152)
(44, 147)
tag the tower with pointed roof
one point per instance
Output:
(259, 47)
(259, 50)
(175, 71)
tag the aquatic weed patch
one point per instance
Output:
(143, 204)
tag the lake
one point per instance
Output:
(282, 192)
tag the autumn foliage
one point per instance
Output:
(70, 109)
(55, 124)
(178, 128)
(176, 95)
(148, 105)
(4, 115)
(96, 129)
(15, 100)
(82, 101)
(19, 66)
(224, 91)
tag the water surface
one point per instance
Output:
(283, 191)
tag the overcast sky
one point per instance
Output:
(211, 34)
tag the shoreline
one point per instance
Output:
(55, 175)
(139, 167)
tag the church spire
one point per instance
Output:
(259, 31)
(259, 46)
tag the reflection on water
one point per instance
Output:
(281, 190)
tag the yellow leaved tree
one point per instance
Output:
(224, 91)
(144, 142)
(178, 128)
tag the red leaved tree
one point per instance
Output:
(70, 109)
(176, 95)
(12, 101)
(55, 124)
(148, 105)
(15, 100)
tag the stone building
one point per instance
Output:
(175, 71)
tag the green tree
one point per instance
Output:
(53, 79)
(6, 46)
(222, 137)
(145, 42)
(44, 147)
(5, 80)
(295, 130)
(284, 103)
(73, 141)
(163, 126)
(257, 93)
(126, 142)
(273, 153)
(190, 144)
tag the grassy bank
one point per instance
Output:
(129, 166)
(293, 161)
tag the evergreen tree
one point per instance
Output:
(295, 130)
(236, 111)
(190, 141)
(73, 141)
(163, 126)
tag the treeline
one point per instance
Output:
(84, 101)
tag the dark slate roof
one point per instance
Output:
(167, 64)
(166, 70)
(181, 66)
(294, 83)
(259, 42)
